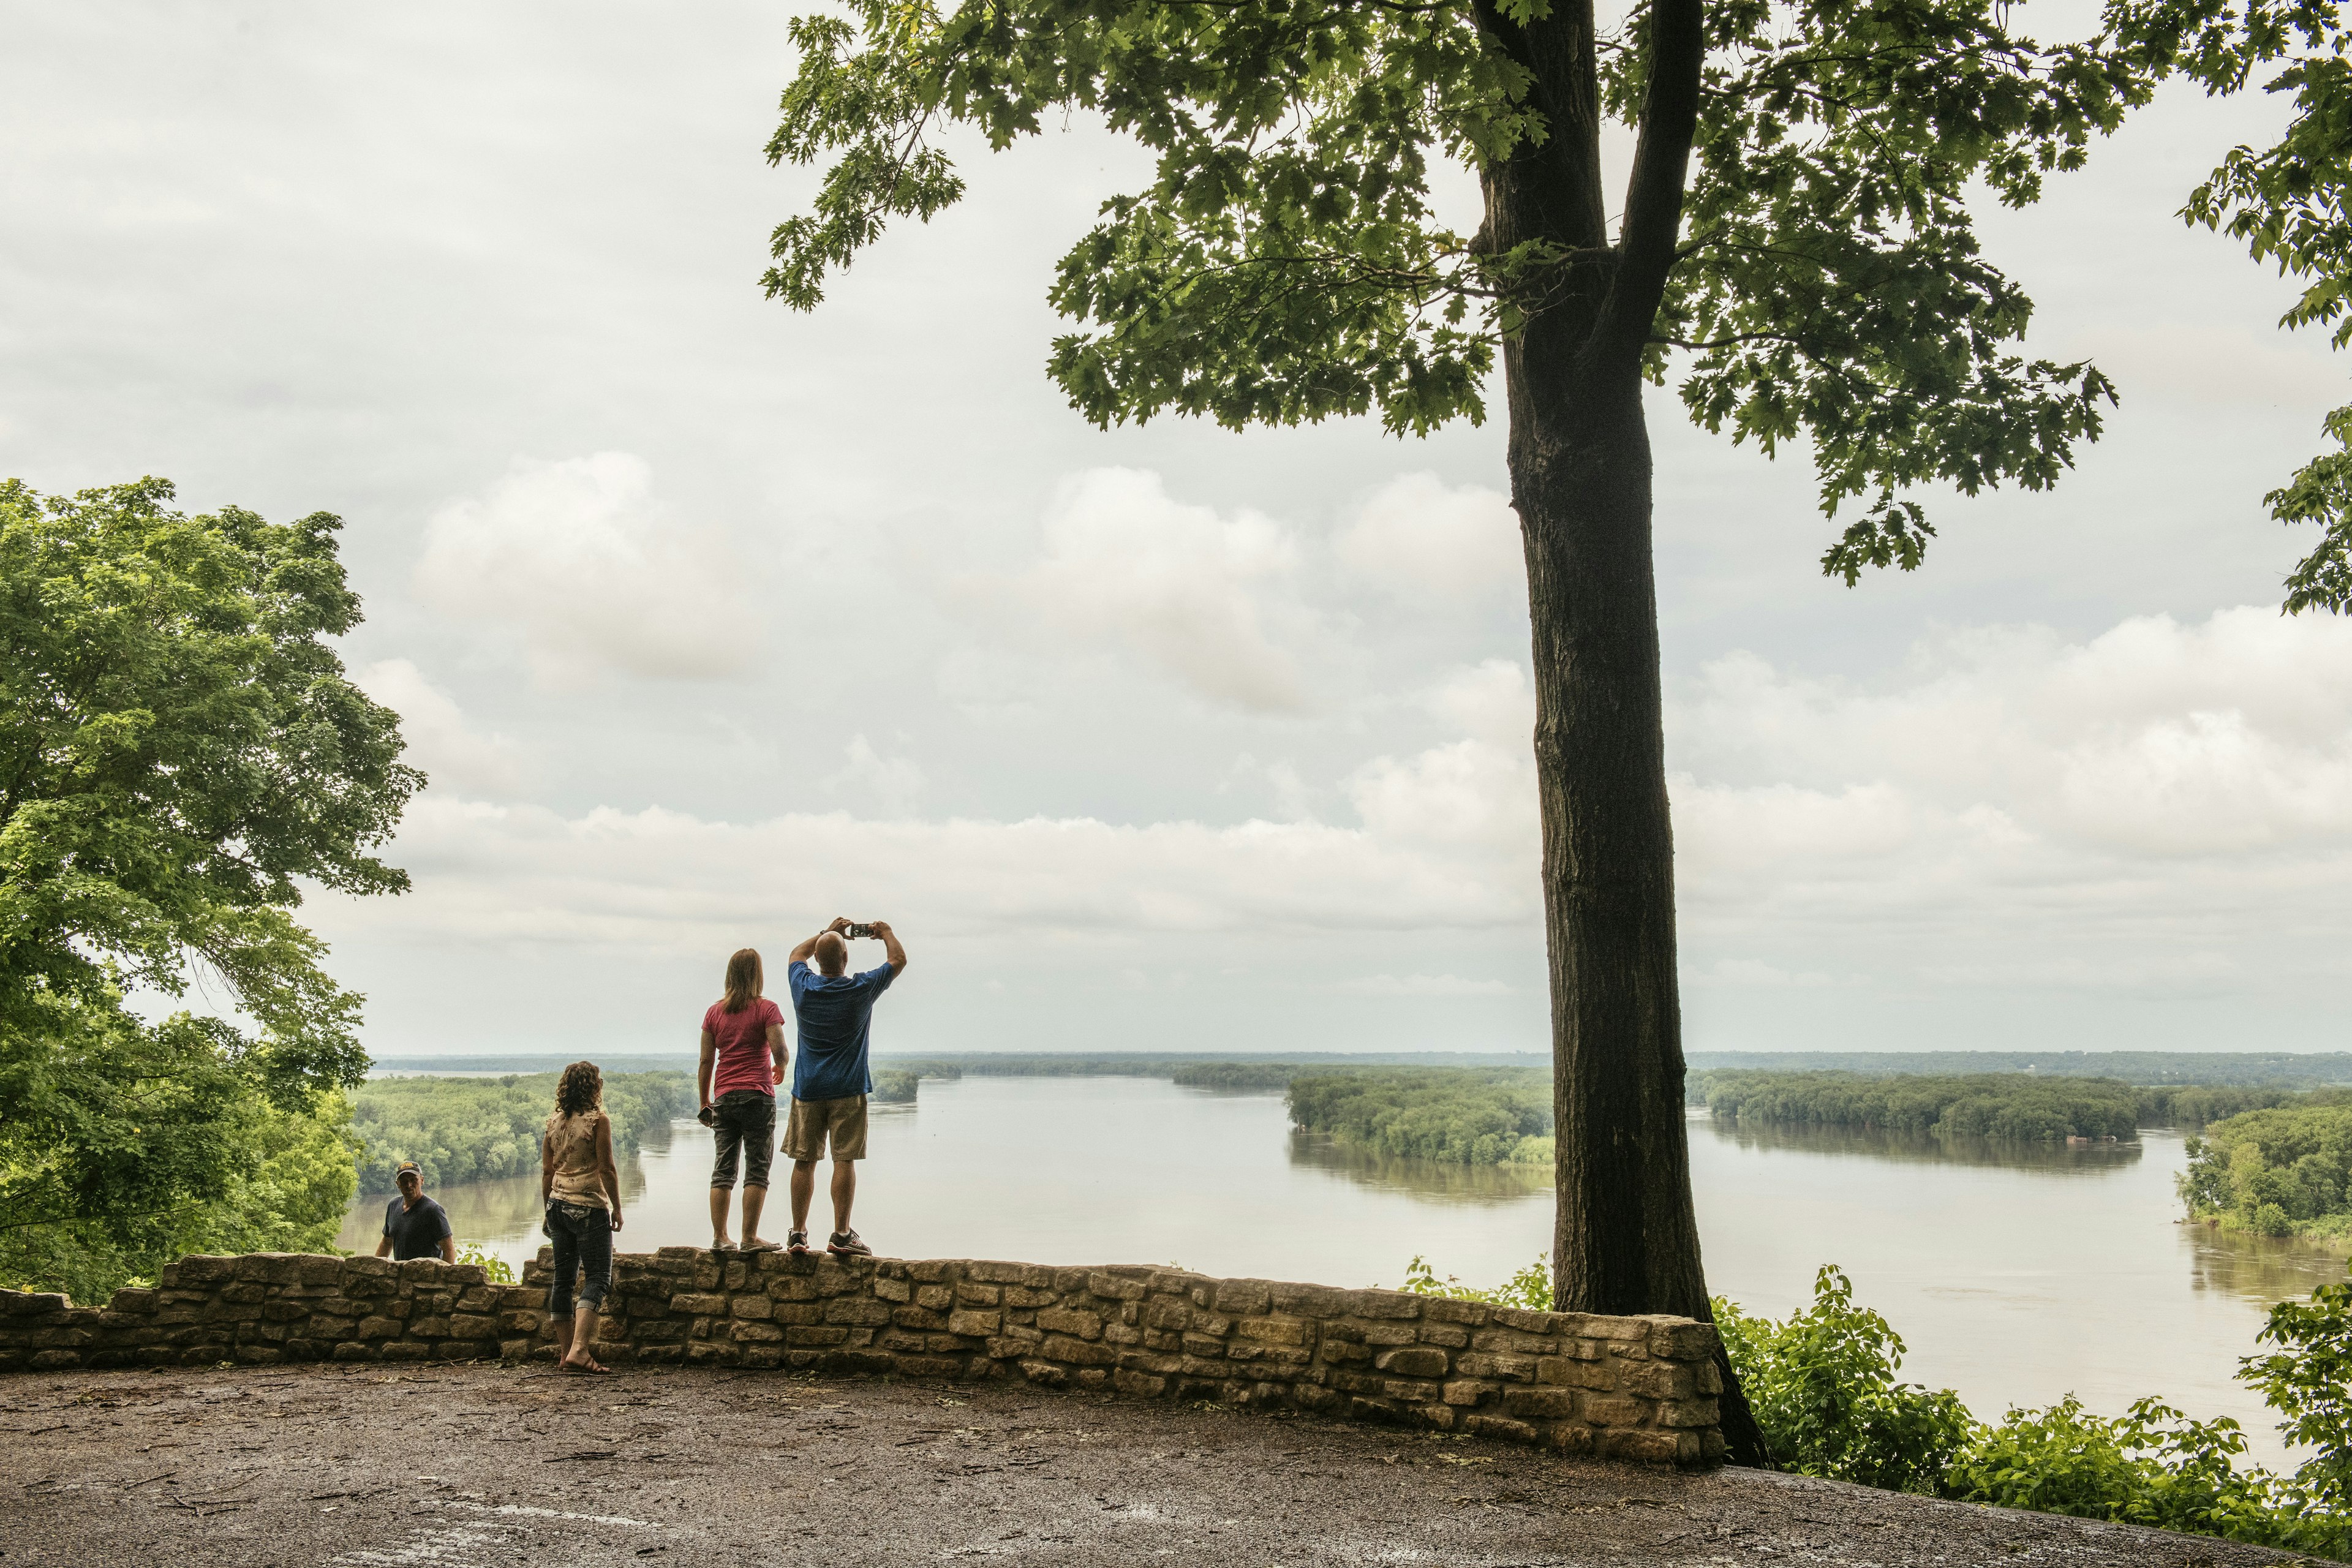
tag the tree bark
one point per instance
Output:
(1627, 1237)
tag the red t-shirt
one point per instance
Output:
(742, 1037)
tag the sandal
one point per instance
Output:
(582, 1369)
(761, 1244)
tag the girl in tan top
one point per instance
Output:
(582, 1190)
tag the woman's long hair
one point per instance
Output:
(581, 1090)
(743, 976)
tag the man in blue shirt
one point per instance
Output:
(414, 1224)
(832, 1008)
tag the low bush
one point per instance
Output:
(1823, 1385)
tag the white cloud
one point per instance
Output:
(1418, 537)
(1493, 701)
(885, 786)
(584, 562)
(2163, 805)
(1204, 600)
(454, 755)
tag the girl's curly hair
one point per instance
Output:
(581, 1090)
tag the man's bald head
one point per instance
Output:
(832, 954)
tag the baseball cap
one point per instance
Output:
(408, 1168)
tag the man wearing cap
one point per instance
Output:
(414, 1224)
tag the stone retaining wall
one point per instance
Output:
(1638, 1388)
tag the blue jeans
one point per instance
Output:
(583, 1243)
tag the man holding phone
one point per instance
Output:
(830, 1083)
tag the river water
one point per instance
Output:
(2014, 1275)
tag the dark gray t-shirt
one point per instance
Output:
(415, 1232)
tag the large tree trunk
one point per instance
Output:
(1626, 1237)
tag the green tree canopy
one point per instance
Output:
(179, 752)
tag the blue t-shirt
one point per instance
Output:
(832, 1015)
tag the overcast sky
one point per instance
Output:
(712, 621)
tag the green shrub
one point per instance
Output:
(1530, 1288)
(1824, 1389)
(496, 1270)
(896, 1086)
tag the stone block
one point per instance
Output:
(1657, 1380)
(1121, 1335)
(379, 1329)
(269, 1268)
(51, 1361)
(406, 1350)
(423, 1272)
(523, 1322)
(1080, 1325)
(974, 1324)
(1510, 1368)
(283, 1311)
(1141, 1384)
(1563, 1371)
(472, 1325)
(1688, 1413)
(1540, 1404)
(969, 1294)
(894, 1290)
(1078, 1352)
(1390, 1304)
(430, 1328)
(355, 1350)
(659, 1333)
(1610, 1410)
(1027, 1296)
(1467, 1392)
(713, 1353)
(934, 1298)
(1339, 1352)
(698, 1304)
(1414, 1361)
(1502, 1427)
(814, 1334)
(1389, 1333)
(479, 1299)
(1452, 1335)
(199, 1270)
(1307, 1300)
(1110, 1287)
(1275, 1331)
(1045, 1373)
(926, 1367)
(1168, 1313)
(132, 1301)
(864, 1311)
(1510, 1342)
(1442, 1309)
(798, 1312)
(1683, 1341)
(753, 1307)
(1707, 1379)
(931, 1270)
(750, 1330)
(1243, 1297)
(793, 1288)
(918, 1318)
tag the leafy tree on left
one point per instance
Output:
(179, 752)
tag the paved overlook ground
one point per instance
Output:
(480, 1464)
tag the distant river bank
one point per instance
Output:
(2014, 1274)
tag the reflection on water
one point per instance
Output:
(1421, 1178)
(2261, 1269)
(2014, 1273)
(1923, 1148)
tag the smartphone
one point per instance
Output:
(861, 930)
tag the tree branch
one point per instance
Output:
(1654, 193)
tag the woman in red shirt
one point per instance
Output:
(743, 1059)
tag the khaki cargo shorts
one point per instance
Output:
(806, 1130)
